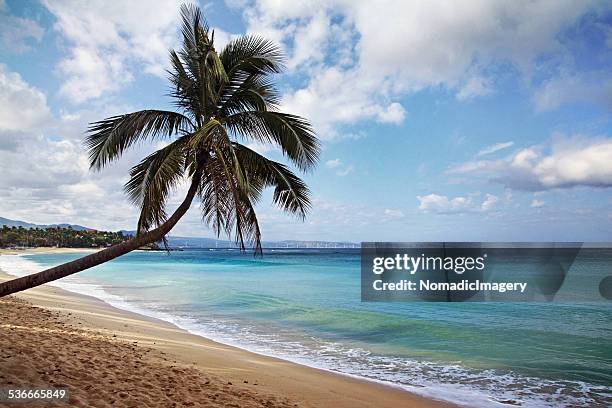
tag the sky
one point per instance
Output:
(439, 120)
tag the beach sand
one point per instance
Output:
(108, 357)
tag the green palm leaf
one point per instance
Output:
(291, 133)
(290, 192)
(108, 138)
(153, 179)
(252, 54)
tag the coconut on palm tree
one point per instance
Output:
(223, 102)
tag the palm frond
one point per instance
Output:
(253, 94)
(249, 229)
(153, 179)
(216, 202)
(107, 139)
(194, 27)
(252, 54)
(185, 88)
(248, 61)
(199, 59)
(239, 215)
(293, 134)
(207, 134)
(290, 192)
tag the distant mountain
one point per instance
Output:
(24, 224)
(310, 244)
(190, 242)
(14, 223)
(75, 227)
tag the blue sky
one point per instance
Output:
(440, 120)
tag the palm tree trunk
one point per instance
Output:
(86, 262)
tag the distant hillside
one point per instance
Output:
(24, 224)
(187, 242)
(190, 242)
(196, 242)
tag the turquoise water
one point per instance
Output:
(304, 306)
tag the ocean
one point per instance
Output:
(304, 306)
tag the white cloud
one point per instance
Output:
(488, 203)
(108, 38)
(92, 73)
(351, 75)
(394, 113)
(16, 33)
(336, 96)
(394, 213)
(438, 42)
(594, 87)
(51, 164)
(23, 107)
(332, 164)
(314, 31)
(474, 87)
(535, 203)
(562, 163)
(222, 38)
(24, 115)
(340, 168)
(494, 148)
(441, 204)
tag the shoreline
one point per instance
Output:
(305, 385)
(44, 250)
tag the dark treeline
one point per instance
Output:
(58, 237)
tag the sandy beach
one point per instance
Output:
(108, 357)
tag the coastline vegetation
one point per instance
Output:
(58, 237)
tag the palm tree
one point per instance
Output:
(222, 99)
